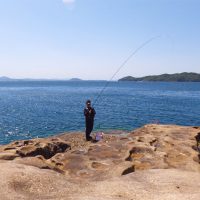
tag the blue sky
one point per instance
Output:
(89, 39)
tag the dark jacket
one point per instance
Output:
(89, 114)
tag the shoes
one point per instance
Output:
(89, 139)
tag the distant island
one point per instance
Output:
(75, 79)
(178, 77)
(4, 78)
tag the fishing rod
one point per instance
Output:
(124, 63)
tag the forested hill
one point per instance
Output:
(178, 77)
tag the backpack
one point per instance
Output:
(99, 136)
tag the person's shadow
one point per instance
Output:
(94, 141)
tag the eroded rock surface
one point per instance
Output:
(152, 147)
(164, 147)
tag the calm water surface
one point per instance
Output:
(42, 108)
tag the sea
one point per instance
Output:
(31, 109)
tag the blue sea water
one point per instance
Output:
(41, 108)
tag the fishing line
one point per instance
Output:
(124, 63)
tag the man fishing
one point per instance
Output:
(89, 113)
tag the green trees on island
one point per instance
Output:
(178, 77)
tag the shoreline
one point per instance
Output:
(109, 131)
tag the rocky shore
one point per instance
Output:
(152, 162)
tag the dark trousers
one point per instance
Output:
(89, 128)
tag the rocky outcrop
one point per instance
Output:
(164, 147)
(152, 150)
(34, 152)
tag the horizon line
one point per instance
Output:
(80, 79)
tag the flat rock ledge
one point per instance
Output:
(152, 162)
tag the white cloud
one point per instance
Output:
(68, 2)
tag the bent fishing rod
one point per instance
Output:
(124, 63)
